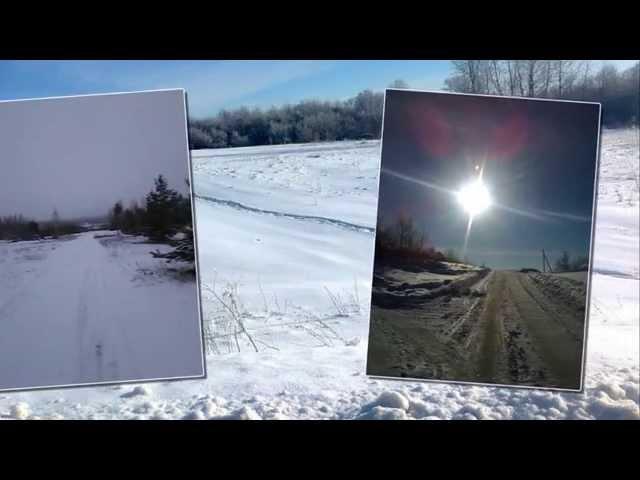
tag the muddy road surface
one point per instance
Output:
(502, 327)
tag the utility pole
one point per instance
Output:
(545, 263)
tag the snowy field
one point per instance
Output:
(286, 245)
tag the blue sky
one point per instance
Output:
(213, 85)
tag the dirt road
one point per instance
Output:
(528, 337)
(523, 329)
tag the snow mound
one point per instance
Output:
(20, 411)
(244, 413)
(139, 391)
(390, 405)
(390, 399)
(383, 413)
(195, 415)
(604, 407)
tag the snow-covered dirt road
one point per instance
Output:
(499, 327)
(83, 313)
(530, 338)
(305, 376)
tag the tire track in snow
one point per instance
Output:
(82, 321)
(617, 274)
(543, 320)
(277, 150)
(294, 216)
(559, 350)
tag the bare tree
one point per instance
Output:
(512, 78)
(399, 84)
(607, 80)
(469, 72)
(585, 79)
(565, 72)
(518, 77)
(547, 78)
(531, 77)
(496, 74)
(560, 71)
(619, 91)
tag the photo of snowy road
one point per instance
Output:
(299, 288)
(98, 277)
(483, 239)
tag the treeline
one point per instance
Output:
(618, 91)
(360, 117)
(309, 121)
(165, 217)
(567, 264)
(404, 240)
(18, 227)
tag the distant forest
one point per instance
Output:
(17, 227)
(360, 117)
(308, 121)
(165, 217)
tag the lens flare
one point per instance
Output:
(474, 198)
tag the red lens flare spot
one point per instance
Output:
(432, 131)
(510, 137)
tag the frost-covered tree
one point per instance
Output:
(199, 138)
(306, 121)
(399, 84)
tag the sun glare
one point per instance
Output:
(474, 197)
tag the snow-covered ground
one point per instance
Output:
(286, 244)
(93, 307)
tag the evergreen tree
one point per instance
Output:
(184, 248)
(115, 218)
(162, 207)
(177, 209)
(34, 229)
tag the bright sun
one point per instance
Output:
(474, 197)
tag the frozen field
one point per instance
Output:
(286, 243)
